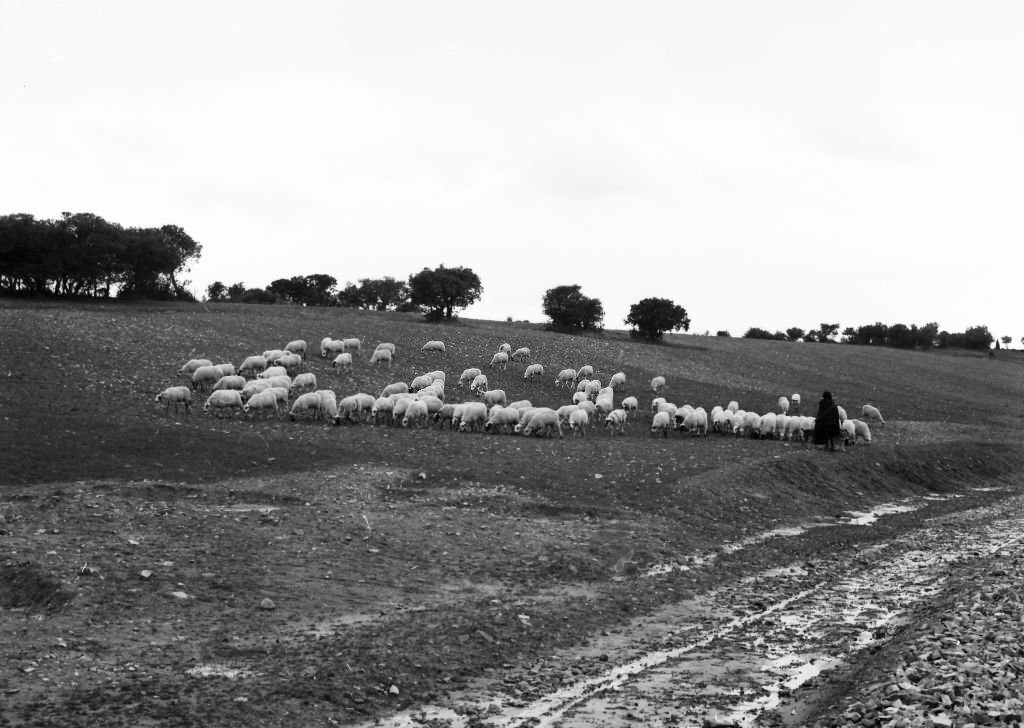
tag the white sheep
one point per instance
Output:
(581, 385)
(331, 347)
(433, 403)
(394, 388)
(273, 355)
(861, 430)
(281, 393)
(416, 414)
(205, 377)
(420, 382)
(848, 431)
(578, 422)
(696, 422)
(842, 414)
(783, 404)
(781, 426)
(388, 346)
(506, 347)
(254, 386)
(751, 426)
(501, 418)
(618, 380)
(616, 421)
(447, 415)
(468, 375)
(564, 411)
(630, 404)
(434, 347)
(308, 403)
(533, 370)
(323, 345)
(578, 397)
(224, 400)
(297, 346)
(605, 401)
(342, 361)
(479, 383)
(657, 402)
(304, 382)
(593, 388)
(437, 376)
(352, 344)
(795, 428)
(565, 378)
(279, 380)
(767, 427)
(231, 381)
(521, 353)
(329, 405)
(591, 410)
(733, 406)
(720, 419)
(290, 362)
(586, 372)
(381, 406)
(492, 397)
(192, 364)
(869, 411)
(473, 417)
(274, 371)
(175, 397)
(265, 401)
(658, 384)
(661, 422)
(544, 421)
(227, 369)
(499, 361)
(381, 356)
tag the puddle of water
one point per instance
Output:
(215, 670)
(866, 518)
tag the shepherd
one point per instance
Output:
(826, 424)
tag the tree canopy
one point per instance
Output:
(377, 294)
(439, 292)
(652, 317)
(569, 309)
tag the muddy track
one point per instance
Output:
(737, 655)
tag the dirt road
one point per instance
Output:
(765, 649)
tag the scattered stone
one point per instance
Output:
(145, 573)
(180, 595)
(267, 603)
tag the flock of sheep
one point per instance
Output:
(274, 382)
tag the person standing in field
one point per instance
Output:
(826, 423)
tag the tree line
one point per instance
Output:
(83, 255)
(898, 336)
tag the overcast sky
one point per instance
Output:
(767, 164)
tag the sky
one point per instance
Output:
(769, 164)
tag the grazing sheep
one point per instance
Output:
(492, 397)
(719, 421)
(657, 402)
(447, 415)
(506, 347)
(751, 426)
(279, 380)
(521, 404)
(416, 414)
(658, 384)
(869, 411)
(290, 362)
(795, 428)
(281, 393)
(273, 355)
(861, 430)
(381, 356)
(591, 410)
(781, 425)
(175, 397)
(565, 378)
(733, 406)
(381, 406)
(420, 382)
(329, 405)
(433, 403)
(593, 388)
(630, 404)
(586, 372)
(661, 422)
(795, 400)
(533, 370)
(605, 401)
(273, 372)
(578, 397)
(521, 353)
(308, 403)
(226, 369)
(323, 345)
(842, 414)
(394, 388)
(499, 361)
(306, 381)
(479, 383)
(767, 427)
(232, 381)
(848, 431)
(544, 421)
(205, 377)
(192, 364)
(565, 410)
(783, 404)
(265, 402)
(579, 420)
(224, 400)
(468, 375)
(352, 344)
(473, 417)
(433, 346)
(501, 418)
(331, 347)
(581, 385)
(618, 380)
(298, 346)
(254, 386)
(696, 422)
(616, 421)
(388, 346)
(342, 361)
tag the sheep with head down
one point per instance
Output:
(869, 411)
(179, 396)
(433, 347)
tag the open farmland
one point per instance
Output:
(182, 569)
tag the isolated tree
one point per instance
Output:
(1007, 340)
(216, 291)
(723, 332)
(978, 337)
(650, 318)
(795, 333)
(826, 332)
(569, 309)
(440, 291)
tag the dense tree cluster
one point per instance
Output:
(570, 310)
(82, 254)
(898, 336)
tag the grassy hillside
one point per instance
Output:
(78, 382)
